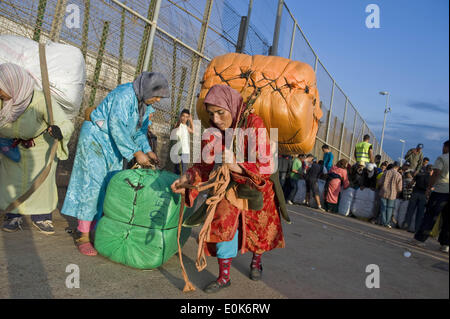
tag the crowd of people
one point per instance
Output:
(424, 186)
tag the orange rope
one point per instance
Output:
(221, 178)
(188, 285)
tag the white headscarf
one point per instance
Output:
(19, 85)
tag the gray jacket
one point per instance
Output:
(415, 159)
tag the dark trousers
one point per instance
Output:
(437, 203)
(329, 207)
(287, 187)
(419, 201)
(294, 189)
(184, 164)
(282, 178)
(35, 218)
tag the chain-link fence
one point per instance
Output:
(341, 127)
(116, 38)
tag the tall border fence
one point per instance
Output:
(121, 38)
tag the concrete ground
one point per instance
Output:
(326, 256)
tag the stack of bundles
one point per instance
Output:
(364, 203)
(321, 183)
(400, 210)
(300, 196)
(288, 99)
(140, 222)
(65, 64)
(346, 201)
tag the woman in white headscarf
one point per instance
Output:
(117, 130)
(24, 119)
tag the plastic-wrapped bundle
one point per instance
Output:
(400, 210)
(65, 63)
(288, 100)
(301, 192)
(346, 201)
(363, 203)
(140, 223)
(321, 183)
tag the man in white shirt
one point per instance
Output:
(184, 128)
(437, 203)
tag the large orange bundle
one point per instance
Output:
(288, 100)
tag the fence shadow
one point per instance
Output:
(27, 276)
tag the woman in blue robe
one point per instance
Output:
(117, 130)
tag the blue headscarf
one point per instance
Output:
(148, 85)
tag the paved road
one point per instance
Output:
(325, 257)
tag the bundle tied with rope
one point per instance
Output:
(288, 95)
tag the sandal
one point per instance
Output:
(84, 245)
(87, 249)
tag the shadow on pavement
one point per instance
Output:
(22, 261)
(199, 279)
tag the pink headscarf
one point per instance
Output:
(19, 85)
(227, 98)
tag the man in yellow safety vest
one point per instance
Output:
(364, 151)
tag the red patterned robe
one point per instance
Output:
(259, 231)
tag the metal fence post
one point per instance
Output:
(197, 59)
(151, 38)
(363, 129)
(276, 32)
(292, 39)
(122, 39)
(240, 46)
(145, 38)
(343, 127)
(99, 63)
(57, 22)
(39, 20)
(315, 64)
(85, 34)
(353, 135)
(330, 112)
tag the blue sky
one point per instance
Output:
(407, 56)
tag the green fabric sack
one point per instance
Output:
(140, 223)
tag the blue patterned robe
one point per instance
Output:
(104, 142)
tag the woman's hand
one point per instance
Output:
(55, 132)
(153, 157)
(175, 185)
(233, 166)
(142, 159)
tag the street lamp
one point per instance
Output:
(403, 149)
(386, 110)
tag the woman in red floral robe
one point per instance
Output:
(232, 228)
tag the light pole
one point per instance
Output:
(386, 110)
(403, 149)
